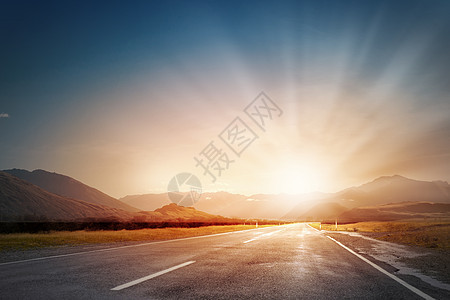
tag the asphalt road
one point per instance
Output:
(282, 262)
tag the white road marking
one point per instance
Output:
(140, 280)
(405, 284)
(266, 234)
(313, 228)
(129, 246)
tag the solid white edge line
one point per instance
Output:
(392, 276)
(123, 247)
(140, 280)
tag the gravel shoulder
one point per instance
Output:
(431, 266)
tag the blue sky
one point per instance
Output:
(109, 92)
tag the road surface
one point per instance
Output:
(281, 262)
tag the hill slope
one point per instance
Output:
(187, 214)
(383, 190)
(21, 200)
(259, 206)
(324, 211)
(146, 201)
(394, 189)
(68, 187)
(397, 211)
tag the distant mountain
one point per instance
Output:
(23, 201)
(396, 211)
(188, 214)
(146, 201)
(221, 203)
(393, 189)
(259, 206)
(324, 211)
(267, 206)
(57, 197)
(319, 206)
(383, 190)
(68, 187)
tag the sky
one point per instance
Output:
(124, 95)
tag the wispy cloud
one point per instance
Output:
(4, 115)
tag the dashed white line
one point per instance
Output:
(405, 284)
(140, 280)
(266, 234)
(123, 247)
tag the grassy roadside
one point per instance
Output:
(430, 234)
(24, 241)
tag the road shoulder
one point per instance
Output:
(426, 269)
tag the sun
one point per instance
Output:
(297, 179)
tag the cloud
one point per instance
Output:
(3, 115)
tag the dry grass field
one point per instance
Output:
(23, 241)
(430, 234)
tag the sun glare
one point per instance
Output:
(297, 179)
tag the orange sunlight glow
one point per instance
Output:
(298, 178)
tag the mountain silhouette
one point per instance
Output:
(381, 191)
(396, 211)
(23, 201)
(68, 187)
(260, 206)
(58, 197)
(392, 189)
(147, 201)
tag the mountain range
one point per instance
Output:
(21, 200)
(258, 206)
(346, 205)
(50, 196)
(373, 197)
